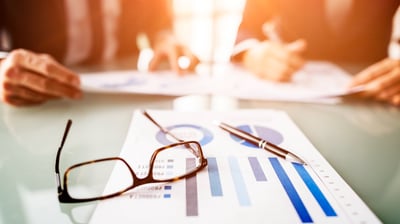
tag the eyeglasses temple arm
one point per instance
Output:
(164, 130)
(58, 179)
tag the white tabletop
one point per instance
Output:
(359, 139)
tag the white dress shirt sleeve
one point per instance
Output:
(394, 46)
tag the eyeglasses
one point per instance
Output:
(81, 185)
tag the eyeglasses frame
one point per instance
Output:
(62, 189)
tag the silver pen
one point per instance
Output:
(261, 143)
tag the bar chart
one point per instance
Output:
(241, 182)
(244, 193)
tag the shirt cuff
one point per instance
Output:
(3, 54)
(394, 49)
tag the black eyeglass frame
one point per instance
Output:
(62, 189)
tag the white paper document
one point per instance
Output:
(316, 82)
(241, 184)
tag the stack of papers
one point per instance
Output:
(316, 82)
(241, 184)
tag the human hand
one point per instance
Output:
(275, 61)
(180, 58)
(381, 81)
(28, 78)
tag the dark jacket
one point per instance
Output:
(40, 25)
(364, 37)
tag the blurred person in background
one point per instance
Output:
(42, 37)
(276, 37)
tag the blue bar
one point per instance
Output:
(167, 188)
(316, 192)
(291, 191)
(213, 175)
(167, 195)
(191, 190)
(240, 186)
(257, 170)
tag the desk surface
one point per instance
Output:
(360, 140)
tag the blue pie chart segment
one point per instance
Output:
(265, 133)
(187, 132)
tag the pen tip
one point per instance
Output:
(295, 159)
